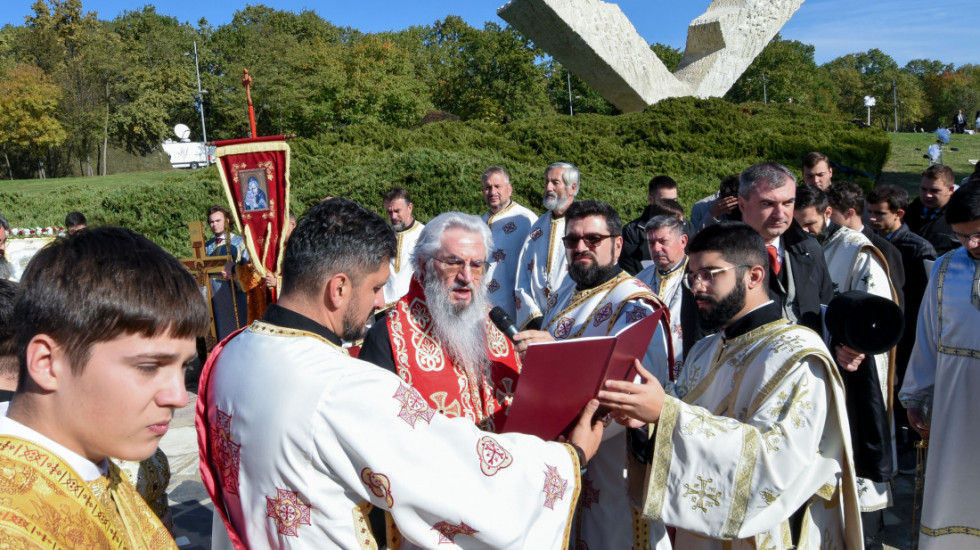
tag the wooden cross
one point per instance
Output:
(202, 266)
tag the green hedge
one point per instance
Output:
(696, 142)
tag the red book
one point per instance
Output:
(559, 378)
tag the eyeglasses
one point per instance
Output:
(454, 265)
(592, 240)
(706, 277)
(965, 240)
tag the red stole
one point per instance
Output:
(421, 361)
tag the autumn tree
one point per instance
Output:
(28, 104)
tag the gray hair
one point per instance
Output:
(773, 174)
(430, 240)
(665, 221)
(571, 175)
(495, 170)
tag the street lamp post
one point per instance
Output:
(200, 105)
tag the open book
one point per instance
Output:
(558, 378)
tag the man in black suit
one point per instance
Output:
(799, 281)
(926, 215)
(847, 209)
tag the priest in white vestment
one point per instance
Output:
(750, 448)
(541, 267)
(943, 380)
(854, 264)
(601, 299)
(509, 224)
(398, 207)
(299, 440)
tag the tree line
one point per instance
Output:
(72, 86)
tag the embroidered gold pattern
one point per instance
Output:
(702, 496)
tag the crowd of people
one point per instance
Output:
(367, 406)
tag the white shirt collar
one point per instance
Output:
(85, 468)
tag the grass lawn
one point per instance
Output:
(109, 182)
(906, 163)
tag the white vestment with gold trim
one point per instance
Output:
(401, 265)
(668, 288)
(755, 429)
(541, 269)
(944, 369)
(855, 264)
(509, 229)
(310, 439)
(607, 519)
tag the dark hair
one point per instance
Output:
(219, 208)
(583, 209)
(661, 182)
(843, 195)
(335, 236)
(737, 243)
(4, 224)
(396, 193)
(940, 173)
(75, 218)
(669, 207)
(8, 328)
(99, 284)
(728, 186)
(772, 174)
(964, 205)
(810, 195)
(896, 197)
(814, 158)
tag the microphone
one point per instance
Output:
(503, 322)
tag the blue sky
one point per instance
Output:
(948, 30)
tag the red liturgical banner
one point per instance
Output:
(255, 175)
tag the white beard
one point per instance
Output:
(461, 329)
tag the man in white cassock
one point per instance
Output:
(601, 299)
(299, 440)
(667, 242)
(542, 267)
(398, 207)
(942, 382)
(854, 264)
(750, 447)
(509, 225)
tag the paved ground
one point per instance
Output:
(192, 508)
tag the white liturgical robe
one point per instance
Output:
(304, 439)
(753, 431)
(607, 519)
(509, 229)
(668, 287)
(855, 264)
(541, 269)
(401, 265)
(944, 370)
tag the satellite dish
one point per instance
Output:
(182, 132)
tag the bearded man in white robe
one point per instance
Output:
(509, 225)
(601, 299)
(299, 440)
(398, 206)
(542, 267)
(942, 382)
(750, 448)
(854, 264)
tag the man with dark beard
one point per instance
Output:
(750, 446)
(601, 299)
(438, 338)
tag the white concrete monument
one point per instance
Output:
(596, 41)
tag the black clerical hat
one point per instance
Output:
(867, 323)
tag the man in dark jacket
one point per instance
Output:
(798, 278)
(926, 216)
(634, 235)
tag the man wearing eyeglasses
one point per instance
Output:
(750, 446)
(942, 382)
(799, 281)
(601, 299)
(438, 337)
(542, 267)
